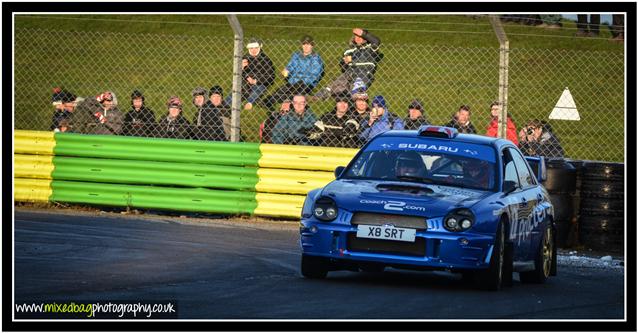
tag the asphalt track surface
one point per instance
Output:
(249, 269)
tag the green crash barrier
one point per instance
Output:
(156, 149)
(99, 170)
(182, 199)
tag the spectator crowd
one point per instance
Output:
(355, 118)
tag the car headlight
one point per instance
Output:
(325, 209)
(458, 220)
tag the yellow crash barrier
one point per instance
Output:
(32, 189)
(279, 205)
(291, 181)
(33, 166)
(304, 157)
(33, 142)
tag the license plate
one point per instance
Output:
(386, 232)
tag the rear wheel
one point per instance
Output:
(314, 267)
(543, 260)
(492, 278)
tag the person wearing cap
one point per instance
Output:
(302, 74)
(266, 127)
(461, 120)
(359, 61)
(64, 103)
(258, 74)
(293, 127)
(209, 121)
(140, 119)
(361, 110)
(415, 118)
(380, 120)
(336, 128)
(492, 128)
(173, 125)
(99, 115)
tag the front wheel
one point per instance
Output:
(492, 278)
(314, 267)
(543, 261)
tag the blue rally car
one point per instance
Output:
(433, 199)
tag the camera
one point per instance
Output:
(530, 131)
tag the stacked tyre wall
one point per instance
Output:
(602, 206)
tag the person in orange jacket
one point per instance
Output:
(492, 128)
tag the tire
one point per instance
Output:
(543, 259)
(561, 177)
(602, 207)
(314, 267)
(602, 233)
(603, 189)
(563, 206)
(603, 171)
(492, 277)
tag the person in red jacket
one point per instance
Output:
(492, 128)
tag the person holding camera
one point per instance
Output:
(537, 139)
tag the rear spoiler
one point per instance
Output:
(538, 166)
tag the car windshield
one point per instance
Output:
(424, 166)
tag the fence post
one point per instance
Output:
(503, 73)
(236, 93)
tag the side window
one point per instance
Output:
(525, 176)
(509, 170)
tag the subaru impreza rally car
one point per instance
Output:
(433, 199)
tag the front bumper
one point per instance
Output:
(433, 248)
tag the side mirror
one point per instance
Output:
(509, 186)
(339, 170)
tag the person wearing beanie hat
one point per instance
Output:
(461, 120)
(336, 128)
(358, 62)
(380, 120)
(199, 97)
(212, 122)
(415, 118)
(303, 73)
(64, 102)
(174, 125)
(140, 119)
(258, 74)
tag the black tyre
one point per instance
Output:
(563, 206)
(543, 259)
(492, 278)
(602, 233)
(603, 171)
(314, 267)
(603, 189)
(602, 207)
(561, 177)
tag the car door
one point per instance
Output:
(513, 200)
(530, 210)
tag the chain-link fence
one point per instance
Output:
(158, 67)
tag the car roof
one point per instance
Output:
(468, 138)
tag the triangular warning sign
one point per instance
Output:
(565, 108)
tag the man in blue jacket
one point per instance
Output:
(292, 128)
(380, 120)
(303, 73)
